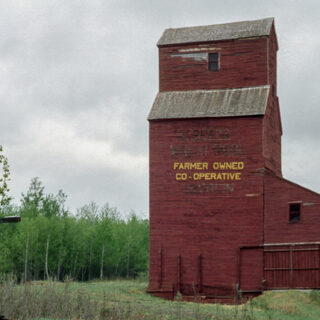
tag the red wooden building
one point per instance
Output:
(223, 220)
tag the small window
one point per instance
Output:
(213, 61)
(294, 212)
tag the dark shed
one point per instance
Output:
(223, 220)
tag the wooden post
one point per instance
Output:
(239, 268)
(161, 267)
(319, 267)
(263, 270)
(199, 273)
(291, 268)
(238, 294)
(179, 274)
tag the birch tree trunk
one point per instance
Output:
(128, 253)
(59, 257)
(47, 253)
(117, 266)
(128, 260)
(90, 259)
(26, 260)
(75, 265)
(59, 264)
(101, 265)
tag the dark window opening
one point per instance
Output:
(294, 212)
(213, 61)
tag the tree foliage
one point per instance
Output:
(51, 242)
(4, 178)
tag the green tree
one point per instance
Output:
(4, 178)
(52, 243)
(32, 201)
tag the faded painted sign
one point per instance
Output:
(204, 176)
(197, 56)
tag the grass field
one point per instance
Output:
(124, 299)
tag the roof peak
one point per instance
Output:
(217, 32)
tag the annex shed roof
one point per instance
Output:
(226, 31)
(249, 101)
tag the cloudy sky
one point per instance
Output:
(78, 79)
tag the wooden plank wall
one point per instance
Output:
(292, 266)
(277, 228)
(211, 218)
(243, 63)
(198, 223)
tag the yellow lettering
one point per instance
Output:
(229, 165)
(175, 165)
(190, 165)
(181, 176)
(209, 175)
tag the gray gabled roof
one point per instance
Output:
(226, 31)
(249, 101)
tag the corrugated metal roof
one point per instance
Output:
(226, 31)
(210, 103)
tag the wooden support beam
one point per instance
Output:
(179, 273)
(199, 273)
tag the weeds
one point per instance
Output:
(126, 300)
(315, 297)
(33, 301)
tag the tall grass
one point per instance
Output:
(33, 301)
(127, 300)
(53, 300)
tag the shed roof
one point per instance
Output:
(226, 31)
(249, 101)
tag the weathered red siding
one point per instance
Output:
(207, 218)
(211, 236)
(277, 229)
(292, 265)
(243, 63)
(272, 61)
(272, 136)
(272, 121)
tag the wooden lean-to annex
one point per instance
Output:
(224, 223)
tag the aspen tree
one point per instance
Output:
(4, 178)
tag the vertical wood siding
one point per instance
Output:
(213, 222)
(197, 226)
(243, 63)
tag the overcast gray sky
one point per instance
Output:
(78, 79)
